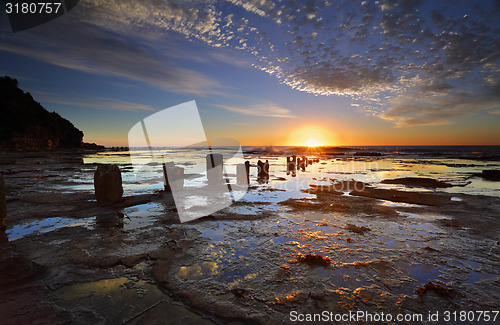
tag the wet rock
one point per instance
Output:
(80, 315)
(17, 269)
(430, 249)
(108, 183)
(491, 175)
(321, 188)
(3, 203)
(341, 185)
(110, 220)
(404, 196)
(417, 182)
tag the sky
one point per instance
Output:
(269, 72)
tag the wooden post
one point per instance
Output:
(291, 165)
(108, 183)
(173, 177)
(247, 168)
(3, 204)
(241, 174)
(215, 169)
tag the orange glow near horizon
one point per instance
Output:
(311, 142)
(311, 136)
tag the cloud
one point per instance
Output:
(92, 101)
(262, 109)
(387, 55)
(442, 107)
(92, 50)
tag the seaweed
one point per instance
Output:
(437, 289)
(314, 260)
(357, 229)
(238, 292)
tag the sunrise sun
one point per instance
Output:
(312, 142)
(311, 136)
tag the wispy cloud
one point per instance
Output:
(100, 52)
(411, 62)
(93, 102)
(382, 54)
(262, 109)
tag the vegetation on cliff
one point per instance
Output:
(27, 125)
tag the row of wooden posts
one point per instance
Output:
(215, 173)
(294, 163)
(108, 181)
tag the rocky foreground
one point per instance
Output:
(334, 245)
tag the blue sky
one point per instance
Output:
(365, 72)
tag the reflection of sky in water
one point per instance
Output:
(46, 225)
(366, 169)
(142, 215)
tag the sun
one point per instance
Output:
(311, 142)
(311, 136)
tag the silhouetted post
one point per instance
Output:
(108, 183)
(241, 174)
(173, 177)
(3, 204)
(215, 169)
(291, 165)
(302, 164)
(306, 160)
(260, 169)
(247, 168)
(263, 171)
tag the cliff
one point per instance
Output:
(26, 125)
